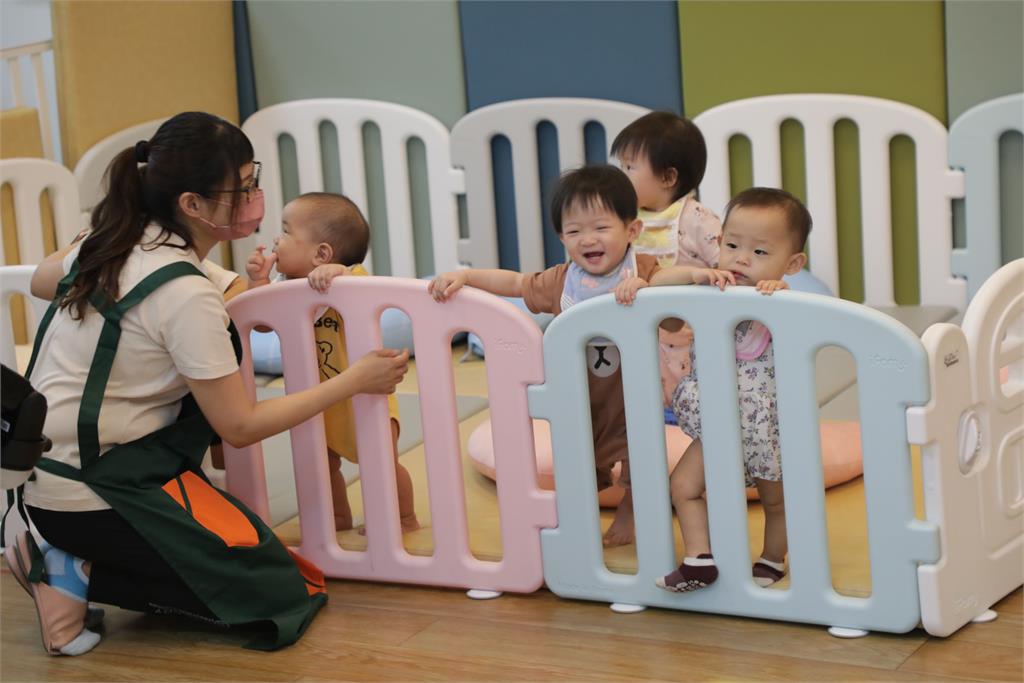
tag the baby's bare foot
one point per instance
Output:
(342, 523)
(408, 524)
(622, 530)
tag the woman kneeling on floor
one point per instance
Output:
(138, 361)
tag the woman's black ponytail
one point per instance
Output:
(191, 152)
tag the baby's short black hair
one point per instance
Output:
(341, 224)
(668, 141)
(798, 218)
(603, 185)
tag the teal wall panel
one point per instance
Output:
(402, 51)
(984, 51)
(604, 49)
(984, 60)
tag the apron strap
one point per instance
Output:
(106, 350)
(62, 288)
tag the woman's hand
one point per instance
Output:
(257, 268)
(625, 291)
(768, 286)
(713, 276)
(231, 412)
(446, 284)
(379, 372)
(320, 277)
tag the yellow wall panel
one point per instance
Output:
(120, 63)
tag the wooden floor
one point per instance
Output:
(372, 632)
(378, 632)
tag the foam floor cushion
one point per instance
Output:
(840, 445)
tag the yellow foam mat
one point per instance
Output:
(845, 509)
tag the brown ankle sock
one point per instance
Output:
(694, 573)
(766, 572)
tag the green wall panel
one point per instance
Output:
(985, 60)
(401, 51)
(894, 50)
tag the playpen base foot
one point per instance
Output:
(844, 632)
(478, 594)
(626, 608)
(985, 617)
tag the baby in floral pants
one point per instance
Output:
(763, 239)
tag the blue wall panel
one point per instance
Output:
(625, 51)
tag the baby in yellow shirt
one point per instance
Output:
(324, 235)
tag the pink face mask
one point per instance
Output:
(250, 213)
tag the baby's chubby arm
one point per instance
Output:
(689, 275)
(493, 280)
(320, 277)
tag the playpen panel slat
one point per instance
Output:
(822, 245)
(570, 146)
(723, 466)
(401, 248)
(528, 207)
(876, 225)
(351, 158)
(472, 152)
(655, 549)
(767, 153)
(441, 438)
(800, 444)
(29, 220)
(307, 154)
(714, 189)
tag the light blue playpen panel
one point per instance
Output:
(975, 142)
(892, 375)
(623, 51)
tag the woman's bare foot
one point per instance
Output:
(408, 524)
(622, 531)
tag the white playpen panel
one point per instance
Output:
(90, 168)
(878, 122)
(974, 147)
(16, 280)
(518, 120)
(28, 179)
(398, 124)
(972, 445)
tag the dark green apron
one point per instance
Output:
(229, 558)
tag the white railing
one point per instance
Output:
(12, 61)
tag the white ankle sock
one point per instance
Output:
(778, 566)
(82, 643)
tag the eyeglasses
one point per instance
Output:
(254, 185)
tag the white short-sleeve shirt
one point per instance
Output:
(178, 331)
